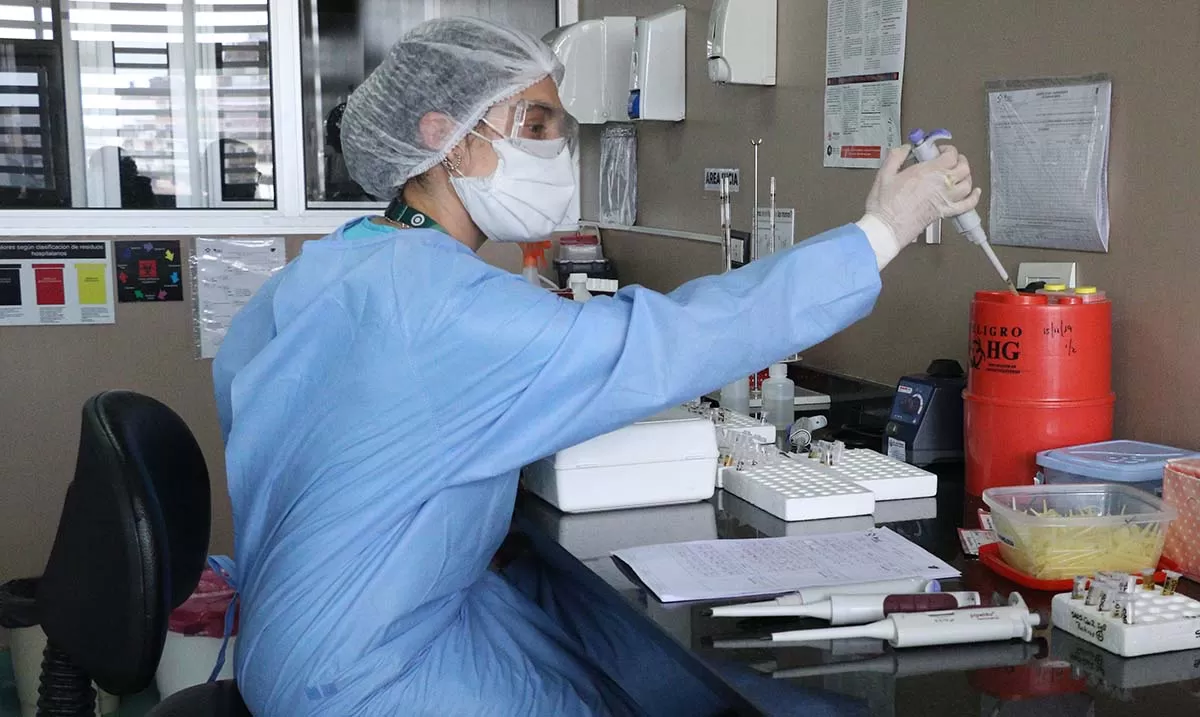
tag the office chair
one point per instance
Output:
(130, 547)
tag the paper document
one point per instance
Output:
(226, 273)
(716, 569)
(56, 283)
(1049, 157)
(785, 230)
(864, 72)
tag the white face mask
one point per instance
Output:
(528, 196)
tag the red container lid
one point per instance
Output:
(1007, 297)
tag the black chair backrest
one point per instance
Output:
(131, 543)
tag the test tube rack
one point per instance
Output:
(798, 489)
(887, 478)
(1163, 623)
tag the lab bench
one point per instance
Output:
(1055, 674)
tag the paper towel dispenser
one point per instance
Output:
(597, 56)
(742, 42)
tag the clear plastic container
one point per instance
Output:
(1052, 532)
(1132, 463)
(580, 247)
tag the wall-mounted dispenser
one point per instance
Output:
(659, 72)
(742, 42)
(597, 55)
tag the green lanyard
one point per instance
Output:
(400, 213)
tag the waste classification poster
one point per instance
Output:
(864, 73)
(56, 283)
(226, 273)
(149, 271)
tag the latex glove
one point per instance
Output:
(902, 203)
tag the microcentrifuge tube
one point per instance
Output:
(1079, 589)
(1120, 605)
(1130, 584)
(1148, 579)
(1129, 616)
(1171, 583)
(1094, 592)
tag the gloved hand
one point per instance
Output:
(902, 203)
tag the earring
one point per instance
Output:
(453, 161)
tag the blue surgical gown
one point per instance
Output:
(378, 398)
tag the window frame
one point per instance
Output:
(291, 215)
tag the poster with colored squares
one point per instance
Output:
(56, 283)
(149, 271)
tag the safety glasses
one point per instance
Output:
(534, 127)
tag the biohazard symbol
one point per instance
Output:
(977, 353)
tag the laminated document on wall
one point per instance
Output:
(864, 74)
(785, 230)
(1048, 145)
(56, 283)
(225, 274)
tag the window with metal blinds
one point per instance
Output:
(32, 165)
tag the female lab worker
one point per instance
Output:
(379, 395)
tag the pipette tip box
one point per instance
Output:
(1162, 623)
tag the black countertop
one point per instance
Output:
(1055, 675)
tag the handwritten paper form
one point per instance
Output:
(715, 569)
(1049, 163)
(226, 273)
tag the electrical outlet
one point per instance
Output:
(712, 179)
(1051, 272)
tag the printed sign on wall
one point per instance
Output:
(55, 283)
(149, 271)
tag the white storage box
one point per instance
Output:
(667, 459)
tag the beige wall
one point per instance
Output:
(954, 46)
(46, 373)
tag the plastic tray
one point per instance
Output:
(989, 555)
(1126, 530)
(799, 490)
(887, 478)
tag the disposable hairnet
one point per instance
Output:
(458, 66)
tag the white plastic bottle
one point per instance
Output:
(736, 396)
(779, 398)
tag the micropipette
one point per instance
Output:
(922, 629)
(808, 596)
(856, 609)
(968, 224)
(959, 658)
